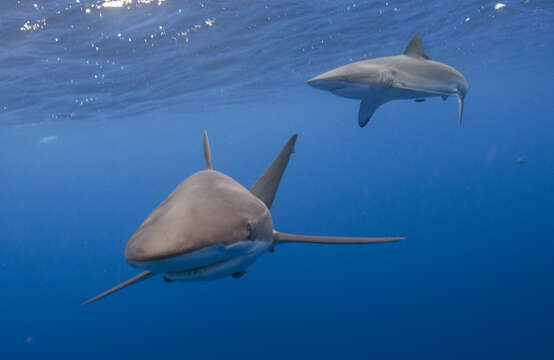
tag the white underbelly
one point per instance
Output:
(210, 263)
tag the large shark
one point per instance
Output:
(211, 227)
(411, 75)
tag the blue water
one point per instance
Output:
(101, 115)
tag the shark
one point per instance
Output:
(211, 227)
(410, 75)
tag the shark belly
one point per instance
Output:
(402, 94)
(354, 91)
(210, 263)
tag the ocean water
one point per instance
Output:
(102, 108)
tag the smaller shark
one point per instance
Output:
(211, 227)
(411, 75)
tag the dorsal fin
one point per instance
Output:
(415, 48)
(207, 152)
(266, 186)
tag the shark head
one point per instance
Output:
(353, 80)
(209, 210)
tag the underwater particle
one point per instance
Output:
(491, 154)
(467, 19)
(47, 139)
(521, 160)
(29, 339)
(499, 6)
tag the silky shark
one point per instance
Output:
(411, 75)
(211, 227)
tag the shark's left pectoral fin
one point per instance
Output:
(460, 108)
(140, 277)
(367, 109)
(279, 237)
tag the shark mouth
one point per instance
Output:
(217, 262)
(196, 273)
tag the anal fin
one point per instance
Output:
(238, 274)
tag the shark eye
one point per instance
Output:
(249, 230)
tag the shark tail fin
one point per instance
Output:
(140, 277)
(367, 109)
(460, 108)
(207, 152)
(415, 48)
(279, 237)
(266, 186)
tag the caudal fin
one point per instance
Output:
(460, 107)
(266, 186)
(207, 152)
(140, 277)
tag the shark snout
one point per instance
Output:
(327, 82)
(316, 82)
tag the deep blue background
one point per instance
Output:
(473, 278)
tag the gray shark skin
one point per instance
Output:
(411, 75)
(211, 227)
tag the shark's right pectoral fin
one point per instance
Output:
(279, 237)
(140, 277)
(367, 109)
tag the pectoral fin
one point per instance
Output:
(140, 277)
(279, 237)
(367, 109)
